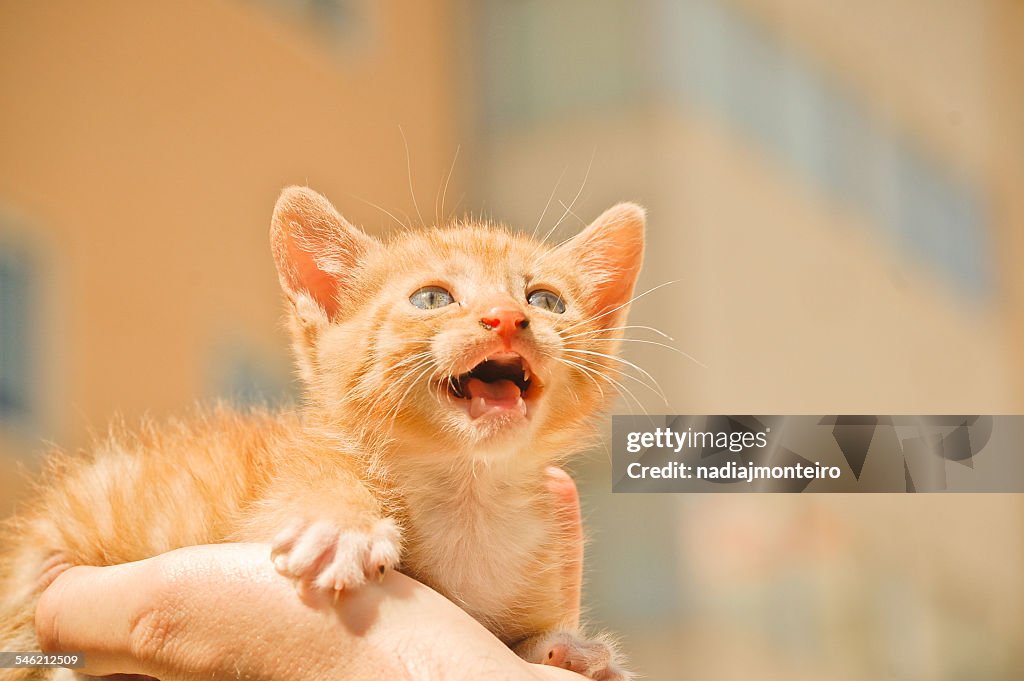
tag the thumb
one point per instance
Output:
(90, 610)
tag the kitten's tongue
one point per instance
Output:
(494, 396)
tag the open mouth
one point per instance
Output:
(501, 384)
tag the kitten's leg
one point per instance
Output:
(328, 533)
(28, 571)
(596, 658)
(560, 644)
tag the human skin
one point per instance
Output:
(222, 612)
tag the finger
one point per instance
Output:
(231, 615)
(89, 610)
(547, 672)
(567, 511)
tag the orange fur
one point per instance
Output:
(379, 435)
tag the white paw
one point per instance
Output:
(595, 658)
(321, 557)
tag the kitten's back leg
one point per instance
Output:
(133, 497)
(20, 587)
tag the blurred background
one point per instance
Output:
(833, 186)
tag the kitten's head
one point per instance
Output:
(468, 338)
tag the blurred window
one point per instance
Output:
(717, 57)
(544, 60)
(333, 20)
(550, 62)
(16, 326)
(241, 374)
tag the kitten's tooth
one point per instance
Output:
(477, 407)
(526, 374)
(521, 406)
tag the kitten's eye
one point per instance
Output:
(546, 300)
(431, 298)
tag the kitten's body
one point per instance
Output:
(484, 541)
(407, 428)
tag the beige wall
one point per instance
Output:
(144, 145)
(1008, 166)
(798, 305)
(795, 304)
(948, 73)
(928, 66)
(792, 306)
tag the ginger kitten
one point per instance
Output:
(444, 371)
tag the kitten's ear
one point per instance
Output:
(609, 253)
(316, 250)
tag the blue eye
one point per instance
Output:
(431, 298)
(546, 300)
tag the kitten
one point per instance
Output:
(444, 371)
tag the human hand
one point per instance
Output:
(222, 611)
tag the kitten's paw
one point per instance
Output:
(595, 658)
(323, 558)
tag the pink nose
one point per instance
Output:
(504, 320)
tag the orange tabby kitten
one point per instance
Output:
(444, 370)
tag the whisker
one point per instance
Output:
(630, 392)
(619, 388)
(572, 203)
(368, 391)
(412, 358)
(586, 372)
(419, 363)
(649, 342)
(555, 247)
(614, 359)
(444, 193)
(619, 307)
(393, 412)
(544, 212)
(403, 225)
(458, 203)
(408, 168)
(619, 328)
(574, 394)
(655, 388)
(586, 176)
(570, 211)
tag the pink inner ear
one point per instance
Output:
(306, 275)
(623, 265)
(608, 255)
(612, 264)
